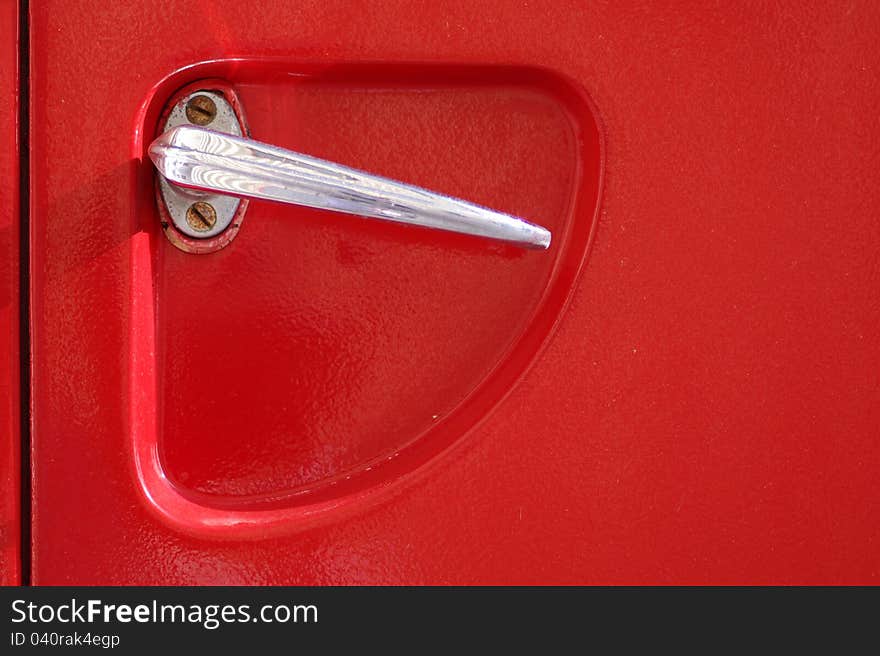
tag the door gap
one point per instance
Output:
(24, 346)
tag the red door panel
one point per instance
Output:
(682, 389)
(10, 462)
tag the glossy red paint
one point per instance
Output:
(706, 409)
(10, 382)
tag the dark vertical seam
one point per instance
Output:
(24, 346)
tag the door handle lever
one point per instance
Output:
(207, 160)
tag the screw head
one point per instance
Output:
(201, 216)
(201, 110)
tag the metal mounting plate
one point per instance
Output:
(175, 201)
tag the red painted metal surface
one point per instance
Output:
(699, 402)
(10, 461)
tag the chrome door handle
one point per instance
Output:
(207, 160)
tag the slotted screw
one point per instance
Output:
(201, 216)
(201, 110)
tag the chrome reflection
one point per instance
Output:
(199, 158)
